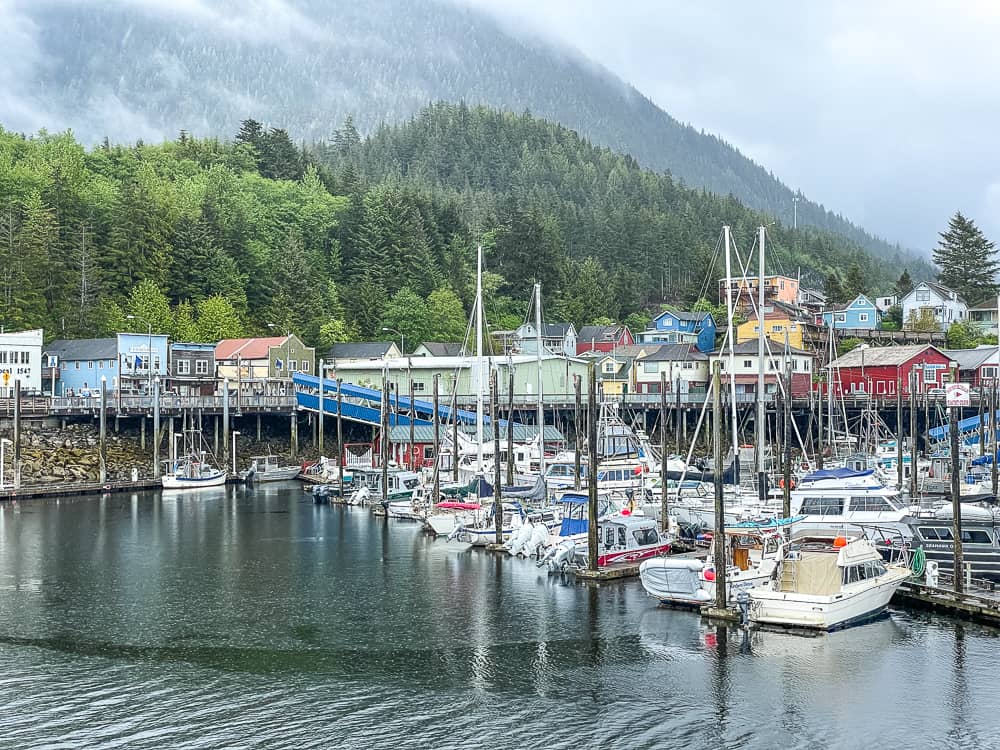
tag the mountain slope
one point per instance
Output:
(146, 70)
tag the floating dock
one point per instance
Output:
(37, 492)
(976, 603)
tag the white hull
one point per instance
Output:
(674, 582)
(856, 603)
(443, 524)
(277, 475)
(174, 482)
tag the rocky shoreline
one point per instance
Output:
(72, 454)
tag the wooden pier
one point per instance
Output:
(37, 492)
(977, 604)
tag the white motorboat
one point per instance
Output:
(753, 551)
(826, 585)
(621, 539)
(192, 469)
(269, 469)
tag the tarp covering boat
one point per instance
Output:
(535, 491)
(453, 505)
(839, 473)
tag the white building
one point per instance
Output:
(944, 303)
(20, 360)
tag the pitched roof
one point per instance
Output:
(600, 333)
(675, 353)
(554, 330)
(444, 348)
(970, 359)
(987, 304)
(79, 349)
(359, 350)
(424, 433)
(941, 289)
(248, 348)
(697, 317)
(875, 356)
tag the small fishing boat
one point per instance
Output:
(269, 469)
(753, 551)
(620, 538)
(192, 469)
(827, 584)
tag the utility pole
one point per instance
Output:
(664, 497)
(719, 536)
(592, 530)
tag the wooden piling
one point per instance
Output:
(786, 446)
(819, 432)
(413, 442)
(17, 435)
(321, 415)
(437, 440)
(913, 436)
(293, 447)
(384, 439)
(592, 463)
(576, 433)
(340, 431)
(510, 426)
(899, 433)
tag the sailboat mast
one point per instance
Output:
(479, 360)
(732, 350)
(761, 407)
(540, 414)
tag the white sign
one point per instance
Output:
(957, 394)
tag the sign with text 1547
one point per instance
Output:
(957, 394)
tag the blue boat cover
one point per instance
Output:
(766, 523)
(984, 460)
(571, 526)
(574, 498)
(841, 473)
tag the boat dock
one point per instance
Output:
(68, 489)
(977, 603)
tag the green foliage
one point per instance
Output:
(963, 335)
(923, 321)
(855, 283)
(846, 345)
(893, 319)
(446, 318)
(217, 319)
(147, 307)
(967, 260)
(335, 331)
(904, 284)
(407, 313)
(833, 289)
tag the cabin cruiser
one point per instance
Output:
(621, 539)
(753, 550)
(827, 584)
(268, 469)
(933, 531)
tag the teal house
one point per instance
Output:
(860, 312)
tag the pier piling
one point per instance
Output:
(592, 463)
(17, 435)
(956, 500)
(103, 433)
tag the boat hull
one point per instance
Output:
(790, 609)
(172, 482)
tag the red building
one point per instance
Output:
(877, 370)
(603, 338)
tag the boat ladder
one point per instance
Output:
(789, 575)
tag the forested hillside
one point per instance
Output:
(134, 70)
(205, 238)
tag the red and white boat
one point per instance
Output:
(621, 539)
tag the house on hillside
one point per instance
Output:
(191, 369)
(263, 366)
(977, 367)
(440, 349)
(614, 368)
(603, 338)
(671, 327)
(812, 301)
(557, 338)
(876, 370)
(684, 365)
(358, 350)
(777, 362)
(944, 304)
(860, 312)
(744, 290)
(984, 315)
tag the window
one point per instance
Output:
(649, 368)
(90, 365)
(76, 365)
(3, 358)
(862, 317)
(201, 367)
(777, 328)
(112, 363)
(976, 536)
(870, 504)
(747, 364)
(24, 358)
(184, 367)
(609, 536)
(305, 365)
(292, 365)
(668, 323)
(621, 536)
(793, 327)
(822, 506)
(689, 365)
(840, 317)
(418, 386)
(930, 374)
(609, 367)
(923, 295)
(988, 373)
(646, 536)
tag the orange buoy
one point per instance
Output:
(839, 542)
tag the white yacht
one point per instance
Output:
(826, 585)
(842, 502)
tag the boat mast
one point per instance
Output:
(732, 353)
(540, 413)
(761, 408)
(479, 359)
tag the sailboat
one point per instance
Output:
(192, 468)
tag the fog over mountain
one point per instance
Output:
(147, 68)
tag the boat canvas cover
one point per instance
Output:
(452, 505)
(679, 582)
(769, 523)
(814, 574)
(530, 492)
(839, 473)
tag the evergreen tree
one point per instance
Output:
(446, 318)
(407, 313)
(967, 260)
(904, 284)
(365, 306)
(833, 289)
(855, 283)
(184, 327)
(148, 306)
(279, 158)
(217, 319)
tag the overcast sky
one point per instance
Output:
(884, 110)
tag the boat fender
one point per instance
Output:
(791, 485)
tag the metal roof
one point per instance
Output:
(444, 348)
(423, 433)
(359, 350)
(674, 353)
(969, 359)
(80, 349)
(881, 356)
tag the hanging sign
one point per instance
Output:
(957, 394)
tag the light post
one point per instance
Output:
(149, 352)
(236, 434)
(402, 345)
(3, 443)
(795, 211)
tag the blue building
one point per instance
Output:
(860, 312)
(128, 361)
(669, 327)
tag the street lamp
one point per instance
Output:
(149, 350)
(3, 443)
(236, 433)
(402, 346)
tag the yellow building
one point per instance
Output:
(778, 327)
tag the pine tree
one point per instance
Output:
(855, 283)
(279, 158)
(904, 285)
(967, 260)
(833, 289)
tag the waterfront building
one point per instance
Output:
(191, 369)
(603, 338)
(423, 442)
(943, 303)
(984, 315)
(884, 303)
(361, 350)
(614, 368)
(977, 367)
(685, 366)
(670, 327)
(557, 338)
(459, 374)
(129, 362)
(439, 349)
(777, 363)
(811, 301)
(859, 313)
(21, 361)
(263, 366)
(876, 370)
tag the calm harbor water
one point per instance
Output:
(253, 618)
